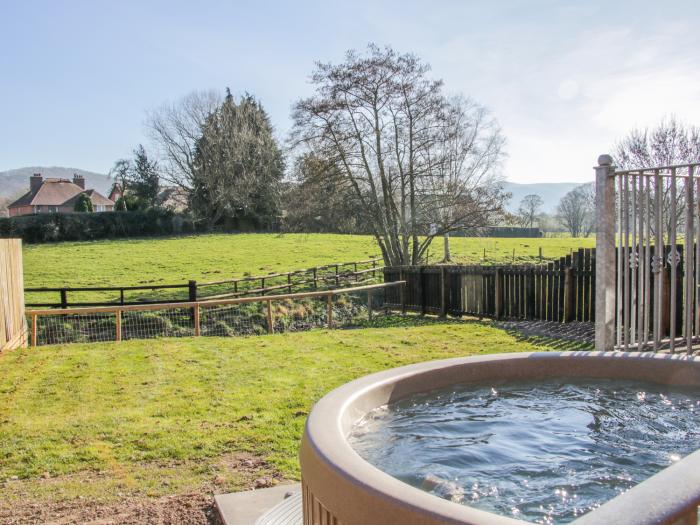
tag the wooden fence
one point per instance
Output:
(13, 332)
(561, 290)
(272, 313)
(318, 277)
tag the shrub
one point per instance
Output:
(83, 204)
(93, 226)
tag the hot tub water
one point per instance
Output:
(544, 452)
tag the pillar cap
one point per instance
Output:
(605, 160)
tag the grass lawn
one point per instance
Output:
(213, 257)
(173, 416)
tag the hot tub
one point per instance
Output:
(339, 487)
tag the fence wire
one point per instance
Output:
(174, 322)
(234, 319)
(240, 319)
(84, 328)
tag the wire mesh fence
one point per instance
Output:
(234, 317)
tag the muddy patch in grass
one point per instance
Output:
(104, 498)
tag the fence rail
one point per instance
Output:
(561, 290)
(221, 317)
(335, 274)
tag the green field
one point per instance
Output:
(215, 257)
(147, 418)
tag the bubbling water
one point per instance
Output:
(545, 452)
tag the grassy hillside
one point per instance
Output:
(146, 418)
(213, 257)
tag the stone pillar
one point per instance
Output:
(605, 254)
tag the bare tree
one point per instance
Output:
(670, 142)
(4, 203)
(576, 210)
(464, 189)
(175, 129)
(319, 199)
(400, 145)
(529, 210)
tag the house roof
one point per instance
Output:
(57, 192)
(96, 198)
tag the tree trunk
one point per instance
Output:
(448, 256)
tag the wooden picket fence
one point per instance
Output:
(13, 328)
(561, 290)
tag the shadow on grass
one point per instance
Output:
(550, 342)
(409, 320)
(547, 342)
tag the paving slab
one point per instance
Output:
(245, 508)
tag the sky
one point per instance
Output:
(565, 79)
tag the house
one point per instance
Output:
(116, 193)
(56, 196)
(173, 198)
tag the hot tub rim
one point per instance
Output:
(327, 427)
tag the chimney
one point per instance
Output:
(35, 182)
(79, 180)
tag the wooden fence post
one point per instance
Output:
(568, 295)
(443, 291)
(192, 286)
(337, 278)
(374, 268)
(421, 291)
(118, 315)
(402, 290)
(369, 304)
(196, 321)
(498, 290)
(34, 330)
(289, 282)
(315, 278)
(270, 325)
(330, 310)
(64, 298)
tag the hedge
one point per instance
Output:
(54, 227)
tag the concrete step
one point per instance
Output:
(280, 505)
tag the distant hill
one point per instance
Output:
(14, 183)
(551, 193)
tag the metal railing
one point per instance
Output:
(218, 317)
(648, 257)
